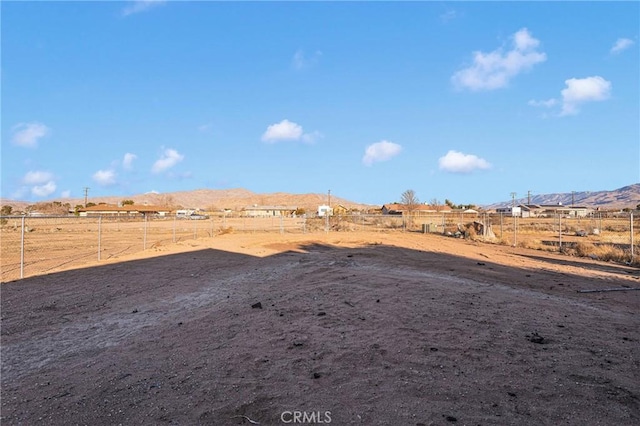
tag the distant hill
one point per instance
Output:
(625, 197)
(237, 199)
(212, 199)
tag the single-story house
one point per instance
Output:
(418, 209)
(325, 210)
(550, 210)
(340, 210)
(514, 211)
(269, 211)
(544, 210)
(128, 210)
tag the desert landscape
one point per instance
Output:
(359, 327)
(383, 213)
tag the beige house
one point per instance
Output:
(268, 211)
(550, 210)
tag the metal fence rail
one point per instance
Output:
(38, 245)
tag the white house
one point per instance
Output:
(510, 211)
(184, 213)
(325, 210)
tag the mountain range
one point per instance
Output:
(625, 197)
(236, 199)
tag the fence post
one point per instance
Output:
(22, 250)
(281, 225)
(560, 232)
(195, 229)
(515, 229)
(99, 235)
(144, 238)
(600, 227)
(175, 220)
(631, 228)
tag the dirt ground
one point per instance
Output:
(354, 328)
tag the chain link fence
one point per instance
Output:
(38, 245)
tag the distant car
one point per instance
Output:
(581, 233)
(198, 217)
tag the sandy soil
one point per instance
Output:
(353, 328)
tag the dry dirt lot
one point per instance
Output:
(355, 328)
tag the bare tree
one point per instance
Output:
(410, 201)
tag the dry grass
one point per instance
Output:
(606, 252)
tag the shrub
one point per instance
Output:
(227, 230)
(584, 249)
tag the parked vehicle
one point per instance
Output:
(198, 217)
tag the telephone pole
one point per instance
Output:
(529, 197)
(86, 195)
(329, 199)
(515, 219)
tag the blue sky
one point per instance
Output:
(467, 101)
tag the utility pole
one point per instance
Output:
(329, 200)
(86, 195)
(573, 193)
(529, 197)
(513, 199)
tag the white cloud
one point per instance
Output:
(44, 190)
(169, 158)
(42, 183)
(28, 134)
(288, 131)
(300, 61)
(105, 177)
(380, 151)
(495, 69)
(547, 104)
(282, 131)
(205, 128)
(66, 194)
(458, 162)
(620, 45)
(581, 90)
(37, 178)
(138, 6)
(127, 161)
